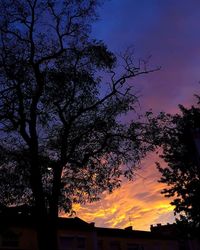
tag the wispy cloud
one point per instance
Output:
(167, 30)
(138, 203)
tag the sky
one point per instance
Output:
(168, 31)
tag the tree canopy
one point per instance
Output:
(62, 99)
(180, 140)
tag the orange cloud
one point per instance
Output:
(137, 203)
(170, 36)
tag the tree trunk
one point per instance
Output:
(43, 226)
(46, 234)
(46, 227)
(53, 209)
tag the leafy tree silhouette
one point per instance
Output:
(61, 101)
(180, 141)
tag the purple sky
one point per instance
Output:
(169, 31)
(166, 29)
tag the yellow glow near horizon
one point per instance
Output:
(137, 203)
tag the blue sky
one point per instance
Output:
(169, 30)
(166, 29)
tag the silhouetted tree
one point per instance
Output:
(61, 108)
(180, 139)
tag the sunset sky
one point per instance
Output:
(169, 31)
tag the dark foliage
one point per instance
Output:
(62, 98)
(180, 141)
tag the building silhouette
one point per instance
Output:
(17, 232)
